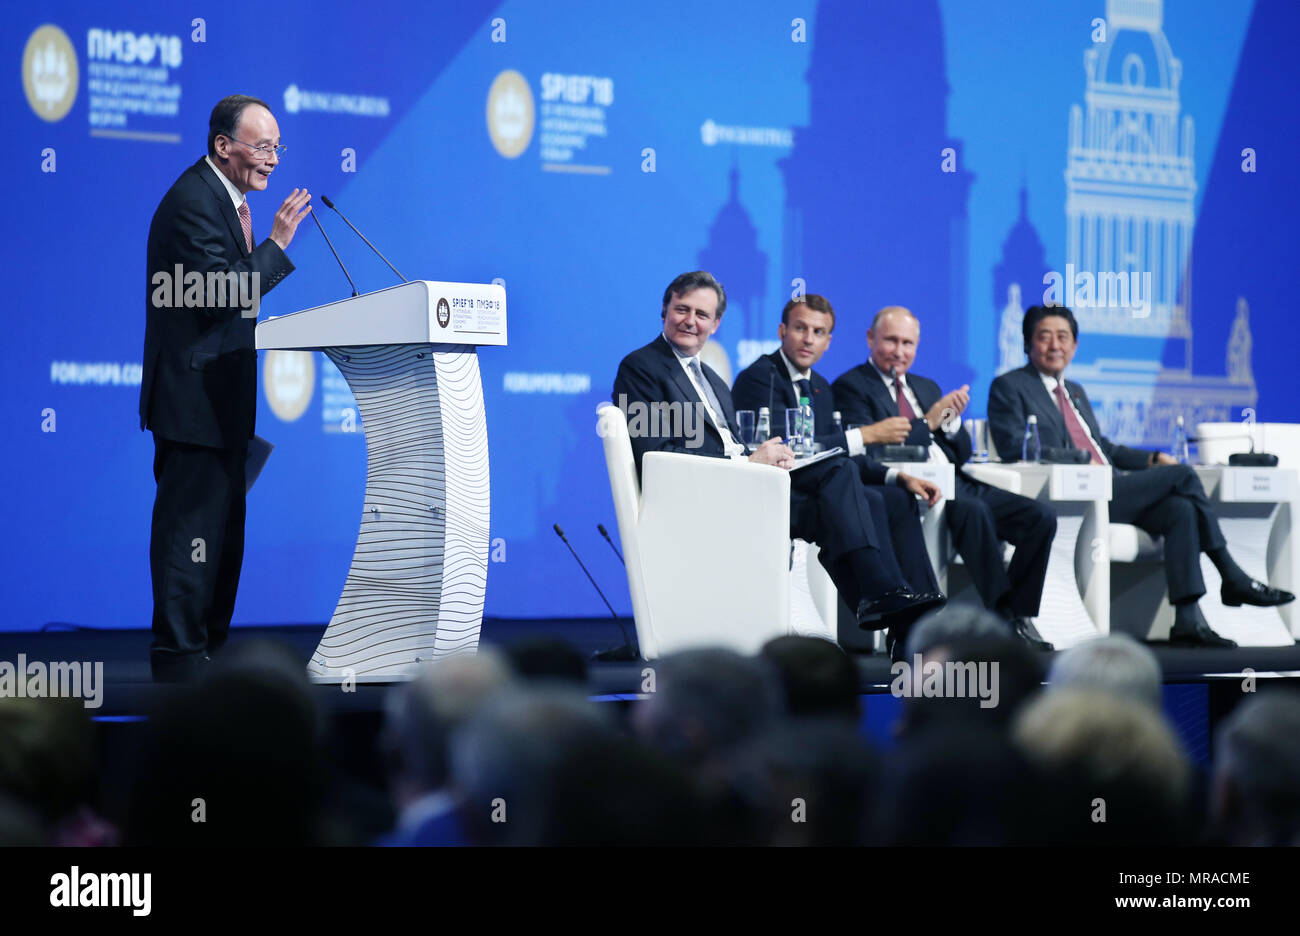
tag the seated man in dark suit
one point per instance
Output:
(827, 503)
(893, 405)
(1150, 489)
(779, 379)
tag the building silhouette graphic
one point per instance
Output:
(1130, 210)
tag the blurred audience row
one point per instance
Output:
(507, 748)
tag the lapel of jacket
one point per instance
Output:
(223, 199)
(1075, 393)
(877, 388)
(1038, 394)
(723, 393)
(677, 377)
(921, 390)
(782, 389)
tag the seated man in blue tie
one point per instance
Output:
(828, 505)
(892, 404)
(1150, 489)
(778, 381)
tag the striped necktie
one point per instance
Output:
(246, 222)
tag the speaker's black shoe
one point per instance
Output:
(1024, 628)
(1254, 593)
(1192, 631)
(902, 605)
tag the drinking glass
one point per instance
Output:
(747, 420)
(793, 428)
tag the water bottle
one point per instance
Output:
(806, 425)
(1032, 450)
(763, 431)
(1180, 443)
(835, 421)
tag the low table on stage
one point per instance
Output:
(415, 589)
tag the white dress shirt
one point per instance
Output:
(237, 197)
(1050, 383)
(733, 448)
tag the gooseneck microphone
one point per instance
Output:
(335, 253)
(330, 205)
(605, 533)
(624, 652)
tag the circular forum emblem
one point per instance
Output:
(444, 313)
(288, 378)
(510, 113)
(50, 73)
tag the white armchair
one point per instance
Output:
(707, 547)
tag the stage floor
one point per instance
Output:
(129, 689)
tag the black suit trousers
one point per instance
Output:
(196, 550)
(830, 506)
(978, 518)
(1169, 501)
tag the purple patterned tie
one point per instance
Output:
(246, 222)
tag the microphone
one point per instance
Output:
(605, 533)
(1251, 459)
(623, 653)
(329, 204)
(334, 252)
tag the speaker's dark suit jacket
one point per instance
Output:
(980, 515)
(199, 383)
(1165, 500)
(827, 501)
(198, 394)
(766, 382)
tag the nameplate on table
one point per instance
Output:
(1257, 484)
(1080, 483)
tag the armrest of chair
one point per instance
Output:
(695, 491)
(715, 549)
(996, 476)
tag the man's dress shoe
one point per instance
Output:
(1024, 628)
(1255, 593)
(1197, 633)
(902, 605)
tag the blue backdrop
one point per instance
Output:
(922, 153)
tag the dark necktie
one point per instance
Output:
(904, 408)
(1078, 435)
(246, 222)
(805, 388)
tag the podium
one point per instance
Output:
(415, 589)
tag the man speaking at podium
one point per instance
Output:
(198, 390)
